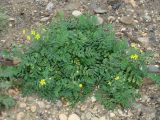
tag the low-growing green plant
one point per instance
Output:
(3, 20)
(6, 82)
(75, 58)
(155, 77)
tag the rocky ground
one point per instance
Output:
(131, 19)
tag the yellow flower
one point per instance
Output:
(24, 32)
(133, 45)
(33, 32)
(37, 36)
(80, 85)
(28, 37)
(42, 82)
(134, 56)
(110, 83)
(117, 78)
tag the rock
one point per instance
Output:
(83, 107)
(111, 19)
(59, 104)
(48, 106)
(93, 99)
(41, 104)
(76, 13)
(120, 112)
(95, 118)
(127, 20)
(83, 116)
(50, 6)
(99, 20)
(88, 115)
(116, 4)
(145, 98)
(11, 19)
(20, 116)
(147, 18)
(62, 117)
(112, 115)
(44, 19)
(144, 41)
(33, 108)
(99, 10)
(73, 117)
(132, 2)
(22, 105)
(102, 118)
(72, 6)
(153, 68)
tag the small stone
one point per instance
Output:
(11, 19)
(62, 117)
(120, 112)
(72, 6)
(102, 118)
(127, 20)
(88, 115)
(45, 19)
(147, 18)
(83, 107)
(153, 68)
(76, 13)
(41, 104)
(144, 41)
(99, 10)
(99, 20)
(111, 19)
(50, 6)
(48, 106)
(95, 118)
(73, 117)
(93, 99)
(22, 105)
(112, 115)
(20, 116)
(33, 108)
(59, 104)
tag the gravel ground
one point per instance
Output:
(132, 19)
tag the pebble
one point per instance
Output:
(88, 115)
(83, 107)
(95, 118)
(112, 115)
(59, 104)
(99, 20)
(73, 117)
(111, 19)
(144, 41)
(99, 10)
(102, 118)
(62, 117)
(41, 104)
(20, 116)
(126, 20)
(76, 13)
(153, 68)
(44, 19)
(11, 19)
(22, 105)
(93, 99)
(33, 108)
(120, 112)
(147, 18)
(50, 6)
